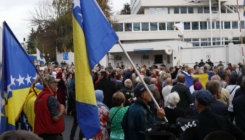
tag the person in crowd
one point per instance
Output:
(172, 113)
(154, 81)
(217, 107)
(19, 135)
(201, 64)
(234, 72)
(138, 117)
(167, 89)
(166, 75)
(113, 76)
(196, 79)
(116, 116)
(64, 72)
(239, 107)
(68, 89)
(220, 64)
(143, 72)
(184, 93)
(210, 63)
(221, 70)
(157, 96)
(225, 96)
(127, 92)
(108, 87)
(61, 89)
(232, 90)
(239, 81)
(118, 66)
(215, 70)
(49, 121)
(224, 80)
(127, 74)
(103, 112)
(208, 121)
(219, 135)
(229, 67)
(119, 84)
(110, 68)
(197, 86)
(122, 65)
(147, 80)
(174, 70)
(196, 65)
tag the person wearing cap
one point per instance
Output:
(139, 118)
(209, 121)
(49, 121)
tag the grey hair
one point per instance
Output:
(213, 86)
(128, 83)
(138, 79)
(172, 99)
(215, 77)
(153, 80)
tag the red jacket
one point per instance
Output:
(44, 124)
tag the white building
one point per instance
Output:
(150, 26)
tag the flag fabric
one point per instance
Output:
(180, 28)
(203, 78)
(40, 57)
(188, 79)
(2, 99)
(19, 73)
(93, 38)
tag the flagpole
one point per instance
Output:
(132, 63)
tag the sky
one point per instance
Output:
(17, 12)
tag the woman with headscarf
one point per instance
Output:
(103, 112)
(61, 89)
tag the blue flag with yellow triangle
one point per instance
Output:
(93, 37)
(18, 74)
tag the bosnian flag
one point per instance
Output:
(40, 57)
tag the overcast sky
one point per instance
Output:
(15, 13)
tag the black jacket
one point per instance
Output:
(184, 94)
(210, 122)
(127, 93)
(219, 109)
(239, 110)
(109, 88)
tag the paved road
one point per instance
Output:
(68, 125)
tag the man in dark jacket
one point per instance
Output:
(210, 122)
(217, 107)
(127, 91)
(184, 93)
(108, 87)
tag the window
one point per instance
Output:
(158, 59)
(213, 27)
(152, 10)
(227, 25)
(190, 10)
(170, 25)
(218, 25)
(223, 10)
(216, 41)
(162, 26)
(165, 10)
(204, 42)
(234, 25)
(145, 26)
(195, 26)
(136, 26)
(187, 25)
(203, 25)
(214, 10)
(153, 26)
(206, 9)
(128, 27)
(187, 40)
(236, 40)
(159, 10)
(195, 42)
(199, 9)
(228, 11)
(176, 10)
(242, 24)
(183, 10)
(118, 27)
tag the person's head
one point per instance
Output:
(203, 101)
(234, 67)
(51, 82)
(219, 135)
(109, 64)
(181, 78)
(233, 80)
(69, 76)
(169, 81)
(143, 70)
(201, 60)
(99, 95)
(215, 77)
(19, 135)
(171, 69)
(198, 86)
(153, 81)
(138, 79)
(118, 99)
(214, 88)
(147, 80)
(128, 83)
(196, 79)
(224, 77)
(172, 99)
(103, 75)
(142, 94)
(63, 70)
(220, 62)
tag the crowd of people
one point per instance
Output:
(125, 107)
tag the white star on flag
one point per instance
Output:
(20, 80)
(76, 3)
(12, 80)
(28, 79)
(9, 89)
